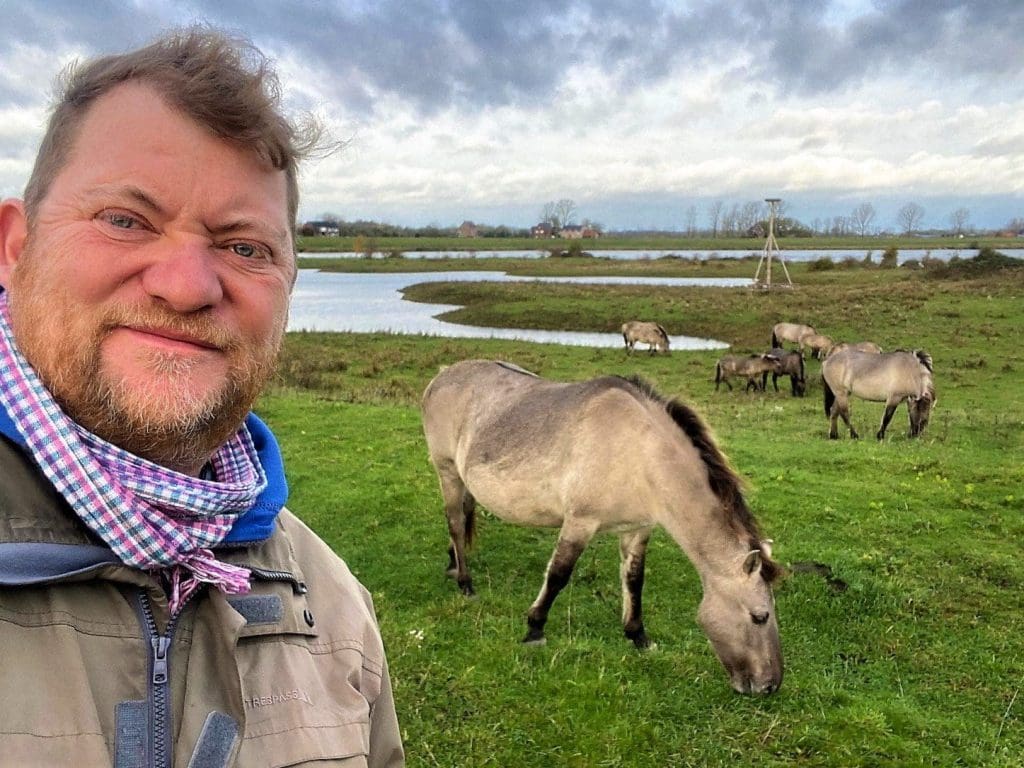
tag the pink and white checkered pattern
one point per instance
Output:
(153, 518)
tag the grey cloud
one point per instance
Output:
(477, 53)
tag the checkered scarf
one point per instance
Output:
(152, 518)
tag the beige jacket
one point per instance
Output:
(292, 674)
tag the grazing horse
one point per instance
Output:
(651, 334)
(750, 366)
(605, 455)
(860, 346)
(790, 364)
(889, 377)
(816, 342)
(791, 332)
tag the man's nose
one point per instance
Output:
(184, 275)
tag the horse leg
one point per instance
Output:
(633, 551)
(840, 409)
(460, 508)
(567, 551)
(890, 409)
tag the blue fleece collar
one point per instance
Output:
(257, 524)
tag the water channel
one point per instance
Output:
(372, 302)
(837, 255)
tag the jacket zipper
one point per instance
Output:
(159, 682)
(299, 587)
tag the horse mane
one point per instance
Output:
(722, 478)
(925, 358)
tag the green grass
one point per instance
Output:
(384, 245)
(918, 661)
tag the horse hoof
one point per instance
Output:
(535, 640)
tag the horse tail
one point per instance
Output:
(830, 396)
(718, 373)
(802, 378)
(469, 517)
(775, 340)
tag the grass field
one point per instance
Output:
(384, 245)
(911, 653)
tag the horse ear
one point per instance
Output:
(752, 562)
(766, 547)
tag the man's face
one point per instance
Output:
(152, 292)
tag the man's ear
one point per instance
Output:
(13, 231)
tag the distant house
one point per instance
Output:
(468, 229)
(544, 229)
(325, 228)
(577, 231)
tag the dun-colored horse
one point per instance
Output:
(605, 455)
(889, 377)
(791, 332)
(651, 334)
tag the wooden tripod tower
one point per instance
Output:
(771, 250)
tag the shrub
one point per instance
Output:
(890, 258)
(821, 264)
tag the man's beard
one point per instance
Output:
(173, 424)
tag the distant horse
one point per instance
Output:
(889, 377)
(790, 364)
(750, 366)
(817, 343)
(651, 334)
(605, 455)
(860, 346)
(791, 332)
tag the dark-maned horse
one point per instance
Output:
(750, 367)
(652, 334)
(791, 363)
(860, 346)
(791, 332)
(605, 455)
(889, 377)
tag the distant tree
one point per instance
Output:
(690, 219)
(714, 216)
(565, 209)
(751, 213)
(558, 213)
(862, 218)
(958, 220)
(909, 217)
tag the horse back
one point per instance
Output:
(878, 376)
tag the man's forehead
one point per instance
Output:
(134, 138)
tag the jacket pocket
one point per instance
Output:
(305, 694)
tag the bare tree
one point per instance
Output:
(958, 220)
(548, 214)
(750, 214)
(690, 216)
(714, 216)
(565, 209)
(909, 217)
(862, 218)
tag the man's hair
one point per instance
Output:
(223, 83)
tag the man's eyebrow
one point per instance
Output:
(248, 225)
(135, 193)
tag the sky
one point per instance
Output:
(637, 110)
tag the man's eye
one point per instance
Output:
(245, 250)
(121, 220)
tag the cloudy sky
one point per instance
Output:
(635, 109)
